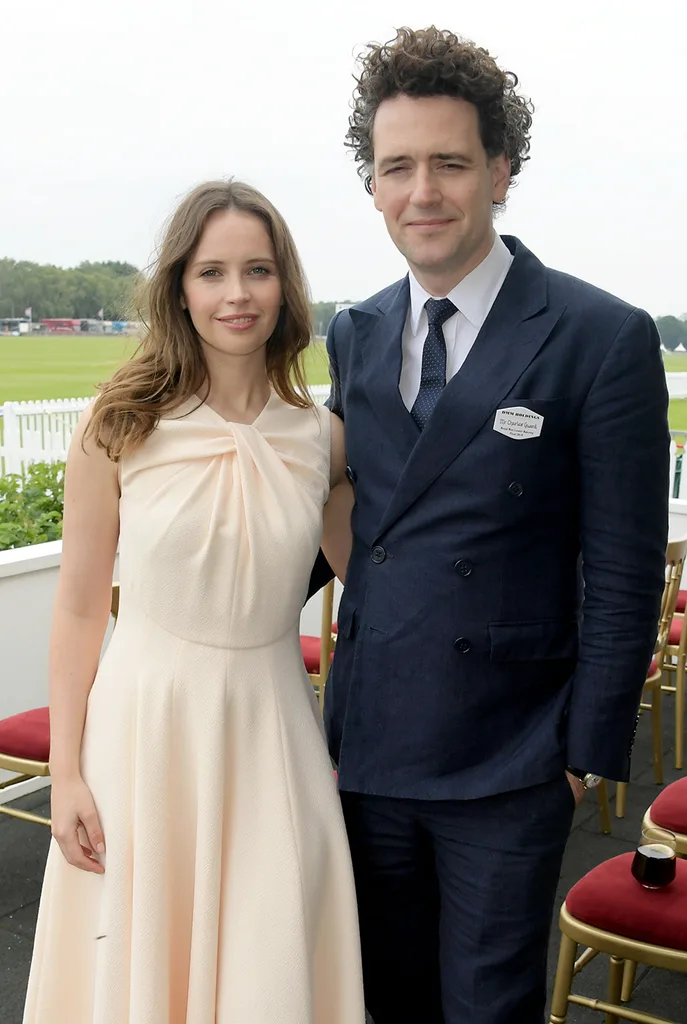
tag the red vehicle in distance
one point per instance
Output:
(61, 326)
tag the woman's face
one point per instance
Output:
(231, 286)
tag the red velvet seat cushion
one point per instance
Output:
(681, 601)
(669, 809)
(675, 632)
(310, 647)
(610, 898)
(652, 668)
(26, 735)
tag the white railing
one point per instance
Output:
(677, 385)
(320, 393)
(41, 431)
(678, 464)
(37, 431)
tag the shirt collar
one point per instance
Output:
(475, 294)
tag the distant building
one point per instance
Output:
(15, 325)
(342, 305)
(60, 325)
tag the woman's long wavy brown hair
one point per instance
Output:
(169, 367)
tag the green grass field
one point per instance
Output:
(675, 362)
(678, 414)
(71, 366)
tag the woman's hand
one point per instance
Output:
(75, 824)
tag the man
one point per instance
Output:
(507, 437)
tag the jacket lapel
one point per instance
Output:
(379, 331)
(517, 326)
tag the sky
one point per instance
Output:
(110, 110)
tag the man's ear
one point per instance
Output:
(501, 178)
(372, 189)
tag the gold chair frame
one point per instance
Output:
(676, 661)
(24, 769)
(625, 954)
(604, 806)
(676, 553)
(680, 839)
(327, 642)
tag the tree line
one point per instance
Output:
(77, 292)
(81, 292)
(673, 332)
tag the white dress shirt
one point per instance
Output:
(473, 298)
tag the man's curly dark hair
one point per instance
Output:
(434, 62)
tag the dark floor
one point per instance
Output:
(23, 849)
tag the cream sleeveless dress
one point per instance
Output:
(228, 895)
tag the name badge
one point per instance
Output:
(518, 423)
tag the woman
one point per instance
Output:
(199, 872)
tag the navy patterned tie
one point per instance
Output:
(433, 377)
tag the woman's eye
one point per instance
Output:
(259, 270)
(211, 271)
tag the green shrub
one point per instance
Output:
(31, 505)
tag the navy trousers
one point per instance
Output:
(455, 901)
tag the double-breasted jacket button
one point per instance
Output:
(462, 645)
(378, 554)
(516, 489)
(463, 567)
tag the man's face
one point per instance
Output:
(435, 185)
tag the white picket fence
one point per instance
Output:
(41, 431)
(37, 431)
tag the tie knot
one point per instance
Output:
(439, 311)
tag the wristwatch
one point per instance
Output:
(588, 780)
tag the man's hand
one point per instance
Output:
(577, 787)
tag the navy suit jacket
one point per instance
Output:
(471, 659)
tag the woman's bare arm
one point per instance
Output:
(90, 534)
(337, 539)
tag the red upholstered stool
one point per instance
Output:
(310, 648)
(675, 661)
(318, 651)
(670, 645)
(675, 631)
(669, 810)
(609, 912)
(25, 751)
(25, 743)
(653, 690)
(681, 602)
